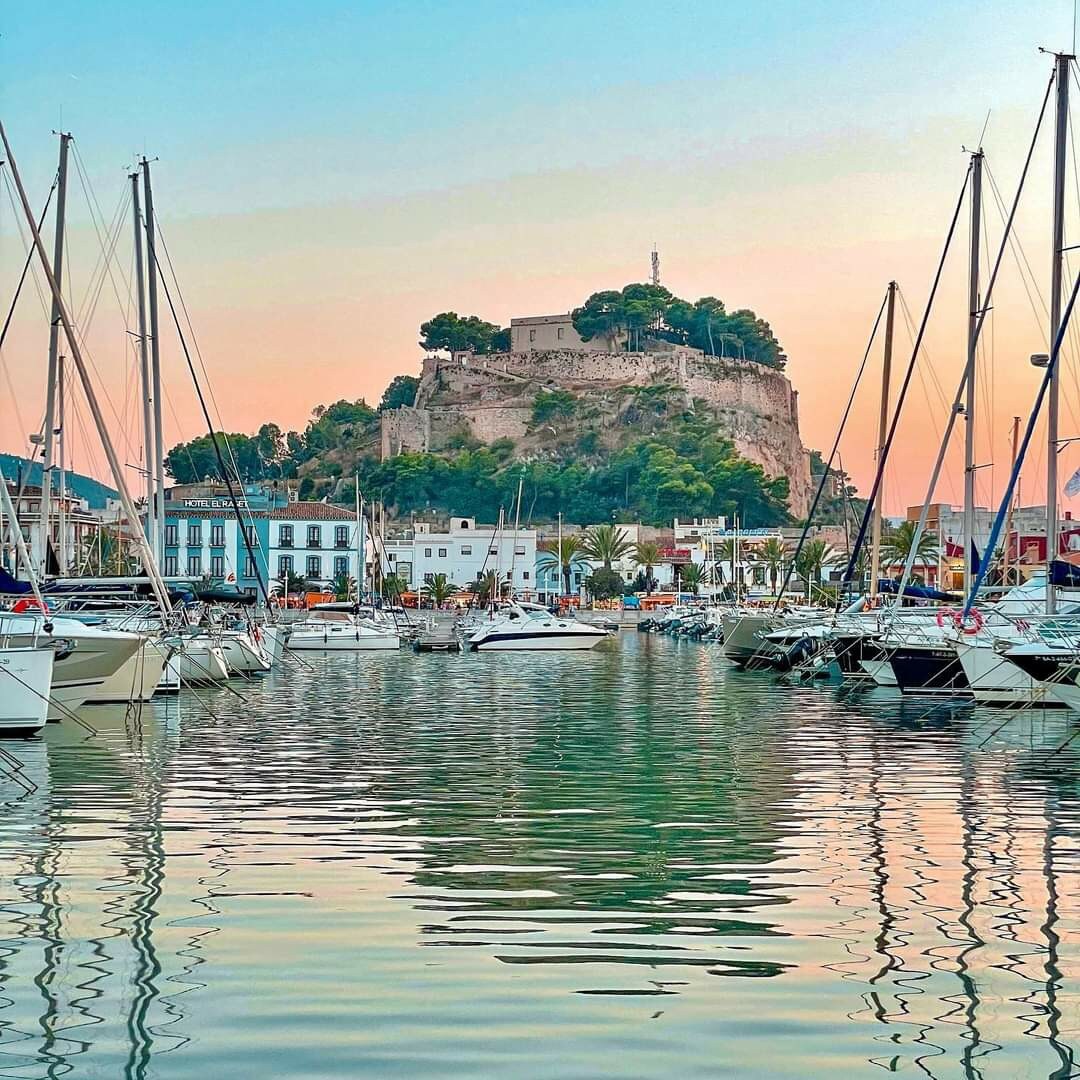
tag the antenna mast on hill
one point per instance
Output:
(655, 266)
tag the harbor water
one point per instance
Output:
(632, 862)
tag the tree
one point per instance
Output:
(552, 405)
(393, 585)
(898, 543)
(344, 586)
(401, 391)
(605, 544)
(484, 587)
(647, 555)
(293, 583)
(604, 584)
(772, 555)
(438, 589)
(451, 332)
(812, 559)
(564, 554)
(691, 575)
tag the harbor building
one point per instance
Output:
(85, 531)
(314, 540)
(462, 550)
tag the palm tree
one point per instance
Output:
(344, 586)
(439, 589)
(896, 547)
(484, 587)
(393, 586)
(564, 554)
(293, 583)
(647, 555)
(691, 576)
(813, 557)
(606, 544)
(772, 555)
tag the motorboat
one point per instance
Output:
(25, 681)
(96, 653)
(532, 627)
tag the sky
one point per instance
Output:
(327, 176)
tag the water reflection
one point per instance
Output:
(611, 863)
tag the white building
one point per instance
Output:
(465, 552)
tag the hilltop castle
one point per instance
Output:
(491, 397)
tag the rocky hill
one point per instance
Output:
(551, 401)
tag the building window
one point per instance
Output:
(466, 549)
(217, 566)
(493, 551)
(170, 535)
(284, 565)
(194, 565)
(577, 578)
(427, 553)
(284, 536)
(314, 536)
(560, 333)
(428, 578)
(442, 553)
(390, 557)
(524, 575)
(519, 549)
(341, 536)
(249, 532)
(249, 567)
(217, 535)
(171, 567)
(341, 565)
(314, 566)
(194, 534)
(532, 335)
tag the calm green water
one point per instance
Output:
(630, 863)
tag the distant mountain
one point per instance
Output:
(85, 487)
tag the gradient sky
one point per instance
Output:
(329, 175)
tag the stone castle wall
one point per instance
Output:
(491, 396)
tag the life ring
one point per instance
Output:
(976, 624)
(946, 614)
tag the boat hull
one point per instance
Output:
(25, 684)
(345, 639)
(136, 680)
(522, 642)
(929, 670)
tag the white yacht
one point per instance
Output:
(25, 682)
(532, 627)
(95, 653)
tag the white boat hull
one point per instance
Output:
(25, 684)
(342, 639)
(542, 643)
(137, 679)
(995, 681)
(243, 656)
(198, 664)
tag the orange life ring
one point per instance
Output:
(976, 625)
(946, 614)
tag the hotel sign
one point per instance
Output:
(206, 504)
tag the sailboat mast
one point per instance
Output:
(45, 506)
(972, 346)
(1057, 255)
(517, 525)
(883, 427)
(62, 555)
(359, 545)
(155, 358)
(152, 524)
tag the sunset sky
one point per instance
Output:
(330, 175)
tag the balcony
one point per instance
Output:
(314, 544)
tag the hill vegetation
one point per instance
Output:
(93, 491)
